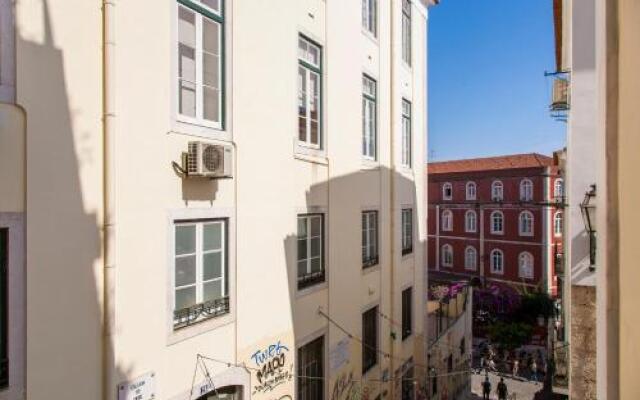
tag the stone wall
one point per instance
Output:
(583, 343)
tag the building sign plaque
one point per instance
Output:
(141, 388)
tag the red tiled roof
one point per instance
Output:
(530, 160)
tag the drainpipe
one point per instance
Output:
(392, 172)
(109, 219)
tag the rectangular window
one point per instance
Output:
(4, 309)
(406, 31)
(200, 65)
(369, 339)
(309, 93)
(369, 238)
(200, 270)
(406, 133)
(311, 370)
(310, 250)
(369, 16)
(408, 387)
(407, 312)
(407, 231)
(369, 118)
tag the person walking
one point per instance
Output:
(486, 388)
(502, 390)
(534, 371)
(516, 365)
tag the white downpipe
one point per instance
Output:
(109, 219)
(392, 171)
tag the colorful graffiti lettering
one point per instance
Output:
(273, 370)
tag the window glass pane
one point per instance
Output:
(187, 62)
(302, 249)
(185, 297)
(187, 100)
(210, 70)
(185, 239)
(314, 55)
(213, 4)
(212, 239)
(302, 268)
(315, 247)
(212, 290)
(185, 271)
(211, 104)
(302, 227)
(302, 104)
(316, 226)
(316, 265)
(187, 27)
(211, 266)
(210, 36)
(302, 48)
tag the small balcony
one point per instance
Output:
(200, 312)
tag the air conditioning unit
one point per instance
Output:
(209, 160)
(560, 95)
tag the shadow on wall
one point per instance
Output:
(64, 202)
(341, 201)
(580, 251)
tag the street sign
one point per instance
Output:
(141, 388)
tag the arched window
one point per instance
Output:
(447, 220)
(447, 255)
(557, 223)
(470, 258)
(526, 190)
(470, 221)
(558, 188)
(447, 191)
(497, 262)
(525, 265)
(497, 191)
(525, 223)
(497, 222)
(471, 190)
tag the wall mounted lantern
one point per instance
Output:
(588, 210)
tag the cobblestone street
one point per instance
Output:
(521, 388)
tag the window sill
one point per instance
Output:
(180, 127)
(406, 252)
(370, 35)
(369, 165)
(368, 270)
(370, 263)
(312, 158)
(409, 336)
(311, 289)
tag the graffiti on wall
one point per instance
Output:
(273, 369)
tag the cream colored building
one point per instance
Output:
(605, 326)
(127, 278)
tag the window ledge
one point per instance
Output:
(312, 158)
(370, 36)
(370, 165)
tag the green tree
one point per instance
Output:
(511, 335)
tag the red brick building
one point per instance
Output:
(496, 219)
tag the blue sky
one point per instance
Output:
(487, 91)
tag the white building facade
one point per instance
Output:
(299, 274)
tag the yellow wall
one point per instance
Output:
(629, 196)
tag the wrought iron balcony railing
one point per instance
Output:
(199, 312)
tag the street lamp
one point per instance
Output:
(588, 210)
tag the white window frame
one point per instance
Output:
(201, 12)
(470, 262)
(407, 231)
(445, 186)
(494, 214)
(407, 134)
(471, 191)
(521, 223)
(370, 226)
(470, 221)
(495, 268)
(199, 253)
(522, 268)
(308, 259)
(370, 17)
(369, 118)
(447, 255)
(406, 32)
(497, 191)
(447, 220)
(526, 190)
(310, 68)
(558, 223)
(558, 188)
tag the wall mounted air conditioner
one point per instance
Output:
(209, 160)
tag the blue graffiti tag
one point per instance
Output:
(273, 350)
